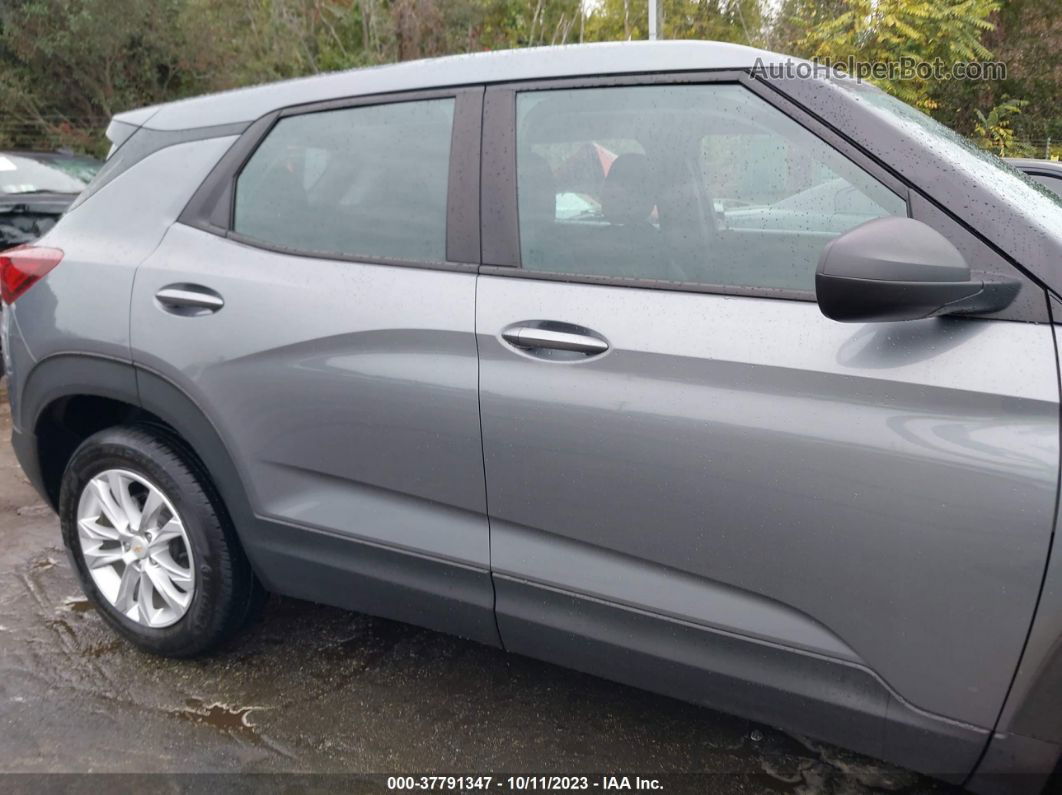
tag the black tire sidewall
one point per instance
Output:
(162, 465)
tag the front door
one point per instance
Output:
(813, 523)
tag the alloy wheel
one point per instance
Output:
(136, 548)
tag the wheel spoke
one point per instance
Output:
(108, 506)
(97, 532)
(97, 557)
(144, 598)
(169, 531)
(119, 486)
(176, 572)
(176, 599)
(127, 588)
(149, 515)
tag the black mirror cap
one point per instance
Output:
(894, 249)
(894, 268)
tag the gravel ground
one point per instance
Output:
(315, 690)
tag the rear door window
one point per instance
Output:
(362, 182)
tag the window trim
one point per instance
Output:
(212, 207)
(650, 284)
(501, 231)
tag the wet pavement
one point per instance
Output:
(311, 689)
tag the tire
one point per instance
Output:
(210, 591)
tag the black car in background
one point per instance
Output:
(35, 190)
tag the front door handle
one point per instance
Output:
(189, 299)
(532, 337)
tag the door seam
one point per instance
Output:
(483, 463)
(479, 379)
(1051, 313)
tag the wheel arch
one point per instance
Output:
(68, 397)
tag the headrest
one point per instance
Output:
(628, 195)
(537, 189)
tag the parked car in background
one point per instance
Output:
(647, 359)
(36, 188)
(1047, 172)
(830, 203)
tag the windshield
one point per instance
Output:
(81, 168)
(20, 174)
(1012, 185)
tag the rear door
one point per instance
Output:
(317, 304)
(697, 482)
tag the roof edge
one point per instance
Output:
(550, 62)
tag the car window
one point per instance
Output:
(362, 182)
(704, 184)
(1050, 182)
(82, 169)
(19, 174)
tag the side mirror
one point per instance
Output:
(901, 269)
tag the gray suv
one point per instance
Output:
(677, 363)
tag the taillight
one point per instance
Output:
(22, 267)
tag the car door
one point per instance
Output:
(324, 326)
(698, 483)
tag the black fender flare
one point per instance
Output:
(67, 375)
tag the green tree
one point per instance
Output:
(741, 21)
(882, 31)
(994, 131)
(68, 65)
(505, 24)
(1027, 38)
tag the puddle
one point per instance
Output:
(867, 772)
(78, 605)
(100, 649)
(223, 717)
(792, 775)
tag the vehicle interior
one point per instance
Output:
(314, 173)
(700, 184)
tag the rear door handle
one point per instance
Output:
(531, 337)
(189, 299)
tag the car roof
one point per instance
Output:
(247, 104)
(1032, 164)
